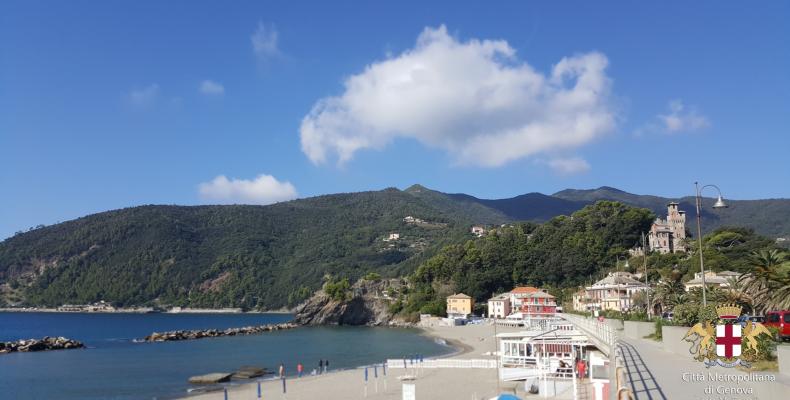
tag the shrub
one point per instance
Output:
(688, 314)
(372, 276)
(338, 290)
(659, 335)
(434, 308)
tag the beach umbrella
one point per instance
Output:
(505, 396)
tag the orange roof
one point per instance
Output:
(525, 289)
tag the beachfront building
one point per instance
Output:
(615, 292)
(519, 293)
(668, 235)
(459, 306)
(712, 279)
(499, 306)
(538, 304)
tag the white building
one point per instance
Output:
(499, 306)
(712, 279)
(615, 292)
(392, 237)
(478, 230)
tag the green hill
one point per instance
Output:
(211, 256)
(769, 217)
(275, 256)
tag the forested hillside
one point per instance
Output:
(211, 256)
(275, 256)
(561, 253)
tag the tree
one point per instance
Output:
(768, 283)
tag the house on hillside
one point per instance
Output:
(712, 279)
(392, 237)
(478, 230)
(459, 306)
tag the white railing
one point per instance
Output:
(603, 334)
(441, 363)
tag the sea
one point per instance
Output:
(115, 366)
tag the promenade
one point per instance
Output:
(655, 374)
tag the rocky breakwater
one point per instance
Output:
(44, 344)
(209, 333)
(367, 302)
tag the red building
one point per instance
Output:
(538, 304)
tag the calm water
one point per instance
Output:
(113, 367)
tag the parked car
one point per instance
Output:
(743, 319)
(668, 316)
(781, 321)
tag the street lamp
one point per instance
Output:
(617, 262)
(718, 204)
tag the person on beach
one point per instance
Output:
(282, 371)
(326, 365)
(320, 366)
(299, 369)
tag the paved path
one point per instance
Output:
(655, 374)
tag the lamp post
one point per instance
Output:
(649, 307)
(619, 296)
(617, 262)
(718, 204)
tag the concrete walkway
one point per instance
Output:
(655, 374)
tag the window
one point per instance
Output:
(787, 318)
(773, 318)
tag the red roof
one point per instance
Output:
(525, 289)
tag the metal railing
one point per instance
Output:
(602, 334)
(441, 363)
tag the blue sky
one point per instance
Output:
(113, 104)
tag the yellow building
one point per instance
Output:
(459, 306)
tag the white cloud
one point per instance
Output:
(682, 119)
(264, 41)
(265, 189)
(475, 99)
(210, 87)
(569, 166)
(145, 96)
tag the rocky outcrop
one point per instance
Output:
(44, 344)
(208, 333)
(366, 304)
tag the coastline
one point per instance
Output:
(466, 342)
(140, 310)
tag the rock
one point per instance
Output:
(366, 307)
(46, 343)
(249, 372)
(200, 334)
(215, 377)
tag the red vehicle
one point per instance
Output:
(779, 320)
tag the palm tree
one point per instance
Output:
(768, 284)
(668, 293)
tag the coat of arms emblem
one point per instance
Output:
(725, 342)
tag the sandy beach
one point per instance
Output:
(471, 342)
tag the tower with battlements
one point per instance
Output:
(668, 235)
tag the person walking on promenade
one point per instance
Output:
(282, 371)
(326, 365)
(581, 367)
(299, 369)
(320, 366)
